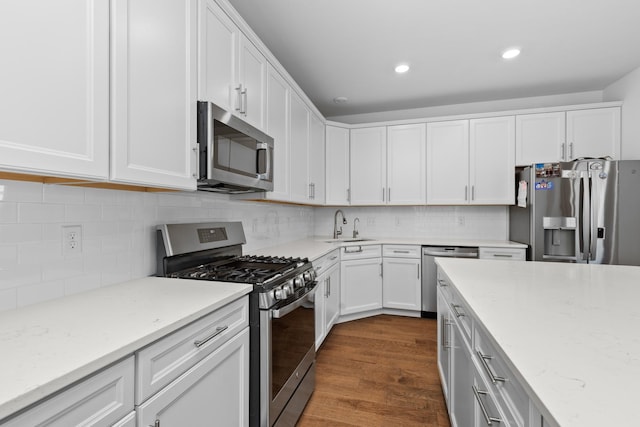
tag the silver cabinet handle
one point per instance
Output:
(333, 257)
(155, 424)
(383, 199)
(239, 98)
(381, 270)
(348, 195)
(218, 331)
(473, 192)
(489, 419)
(401, 252)
(243, 92)
(310, 194)
(466, 192)
(347, 250)
(442, 283)
(445, 333)
(455, 308)
(485, 364)
(418, 271)
(503, 255)
(562, 150)
(570, 150)
(389, 194)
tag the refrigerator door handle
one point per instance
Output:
(585, 218)
(593, 229)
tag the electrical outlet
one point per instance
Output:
(460, 220)
(371, 221)
(71, 240)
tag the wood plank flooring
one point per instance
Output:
(378, 371)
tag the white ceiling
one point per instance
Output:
(350, 47)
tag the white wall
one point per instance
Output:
(474, 107)
(118, 234)
(453, 222)
(627, 89)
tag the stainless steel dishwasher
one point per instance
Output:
(429, 273)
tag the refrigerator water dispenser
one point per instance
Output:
(559, 237)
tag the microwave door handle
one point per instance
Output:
(267, 174)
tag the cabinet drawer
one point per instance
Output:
(323, 263)
(458, 307)
(401, 251)
(505, 254)
(500, 378)
(360, 252)
(166, 359)
(99, 400)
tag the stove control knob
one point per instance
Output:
(298, 282)
(289, 287)
(280, 294)
(308, 276)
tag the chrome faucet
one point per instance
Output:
(337, 232)
(355, 229)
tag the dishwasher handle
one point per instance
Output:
(451, 252)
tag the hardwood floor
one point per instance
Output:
(378, 371)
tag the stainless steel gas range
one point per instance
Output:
(281, 306)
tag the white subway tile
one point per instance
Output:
(62, 194)
(82, 283)
(8, 255)
(20, 191)
(44, 251)
(116, 213)
(79, 213)
(18, 233)
(40, 212)
(62, 269)
(8, 212)
(100, 196)
(43, 291)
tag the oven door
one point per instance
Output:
(290, 351)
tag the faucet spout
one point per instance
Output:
(355, 227)
(337, 231)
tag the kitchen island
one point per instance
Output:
(567, 332)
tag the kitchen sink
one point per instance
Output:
(347, 240)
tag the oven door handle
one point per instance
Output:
(281, 312)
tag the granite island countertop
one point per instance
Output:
(569, 332)
(47, 346)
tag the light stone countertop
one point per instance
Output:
(570, 332)
(48, 346)
(315, 247)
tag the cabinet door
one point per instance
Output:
(320, 309)
(492, 161)
(218, 45)
(539, 138)
(360, 285)
(316, 159)
(401, 284)
(278, 128)
(153, 117)
(299, 178)
(216, 389)
(406, 161)
(252, 74)
(593, 133)
(54, 86)
(368, 166)
(337, 166)
(332, 303)
(444, 346)
(461, 407)
(448, 163)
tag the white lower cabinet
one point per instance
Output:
(214, 392)
(103, 399)
(401, 281)
(128, 421)
(360, 279)
(327, 294)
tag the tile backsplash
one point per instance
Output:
(118, 231)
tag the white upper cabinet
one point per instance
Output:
(406, 164)
(337, 162)
(54, 86)
(539, 138)
(278, 128)
(368, 166)
(593, 133)
(316, 160)
(153, 93)
(232, 71)
(448, 162)
(299, 150)
(567, 135)
(492, 161)
(471, 161)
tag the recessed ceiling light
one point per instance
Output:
(511, 53)
(402, 68)
(340, 99)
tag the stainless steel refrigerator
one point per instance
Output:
(584, 211)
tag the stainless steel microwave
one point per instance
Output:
(235, 157)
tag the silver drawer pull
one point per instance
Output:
(333, 257)
(503, 255)
(356, 250)
(219, 330)
(493, 377)
(401, 252)
(442, 282)
(489, 419)
(455, 308)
